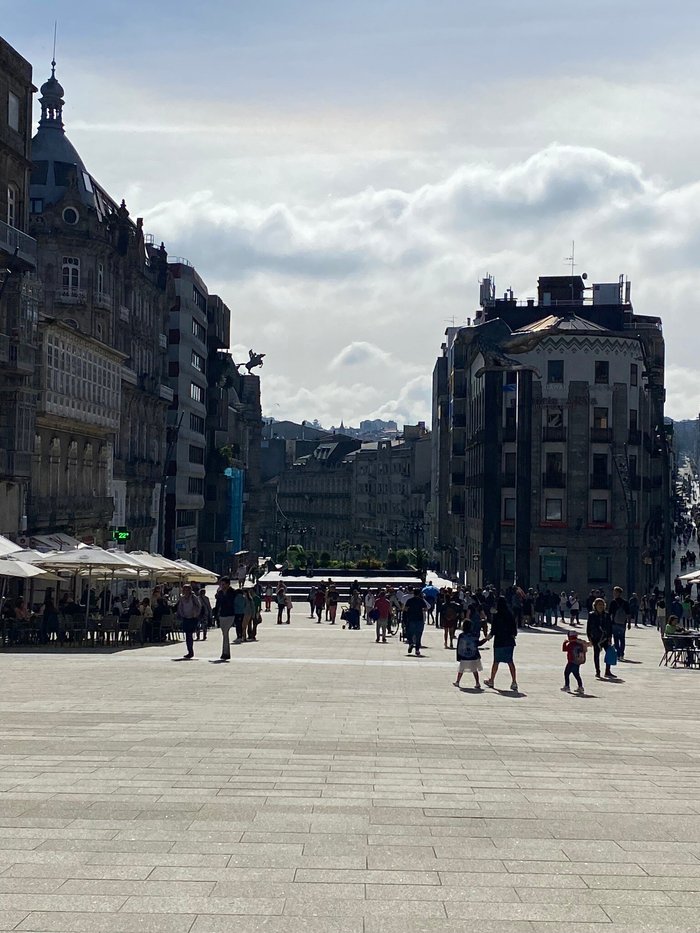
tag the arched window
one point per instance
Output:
(70, 274)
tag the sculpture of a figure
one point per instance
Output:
(255, 359)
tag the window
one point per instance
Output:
(196, 454)
(36, 205)
(508, 566)
(198, 362)
(632, 466)
(553, 510)
(600, 463)
(553, 565)
(600, 418)
(186, 517)
(196, 424)
(173, 368)
(199, 299)
(633, 419)
(599, 511)
(602, 372)
(634, 374)
(554, 463)
(70, 274)
(196, 392)
(71, 216)
(12, 198)
(555, 371)
(509, 510)
(598, 566)
(13, 111)
(509, 462)
(195, 485)
(198, 331)
(100, 278)
(510, 417)
(555, 417)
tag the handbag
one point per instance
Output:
(611, 656)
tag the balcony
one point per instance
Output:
(165, 392)
(18, 246)
(48, 511)
(553, 480)
(601, 435)
(554, 434)
(634, 438)
(103, 300)
(600, 481)
(71, 296)
(16, 357)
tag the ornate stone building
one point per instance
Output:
(100, 419)
(18, 291)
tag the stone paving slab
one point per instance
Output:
(323, 783)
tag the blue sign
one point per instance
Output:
(236, 485)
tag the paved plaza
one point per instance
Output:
(323, 783)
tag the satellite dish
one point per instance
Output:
(584, 276)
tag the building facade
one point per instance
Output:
(19, 292)
(549, 464)
(391, 492)
(101, 400)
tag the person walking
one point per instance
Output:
(319, 604)
(269, 593)
(332, 598)
(599, 634)
(574, 608)
(619, 613)
(450, 612)
(575, 650)
(414, 617)
(280, 599)
(311, 599)
(504, 630)
(240, 605)
(224, 611)
(188, 610)
(468, 654)
(205, 615)
(634, 611)
(382, 610)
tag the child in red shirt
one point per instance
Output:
(575, 649)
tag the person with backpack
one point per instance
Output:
(575, 650)
(619, 613)
(468, 654)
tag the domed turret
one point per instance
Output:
(52, 101)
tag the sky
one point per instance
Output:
(344, 173)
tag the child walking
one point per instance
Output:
(575, 649)
(468, 653)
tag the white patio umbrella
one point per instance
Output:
(86, 561)
(7, 546)
(16, 569)
(197, 574)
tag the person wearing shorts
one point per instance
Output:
(504, 630)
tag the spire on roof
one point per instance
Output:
(52, 101)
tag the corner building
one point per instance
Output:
(19, 291)
(548, 467)
(101, 402)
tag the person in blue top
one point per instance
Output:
(430, 595)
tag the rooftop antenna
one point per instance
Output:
(53, 60)
(572, 258)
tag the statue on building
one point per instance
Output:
(255, 359)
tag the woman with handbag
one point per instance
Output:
(599, 634)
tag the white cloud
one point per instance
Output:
(360, 353)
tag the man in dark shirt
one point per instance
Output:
(414, 617)
(619, 614)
